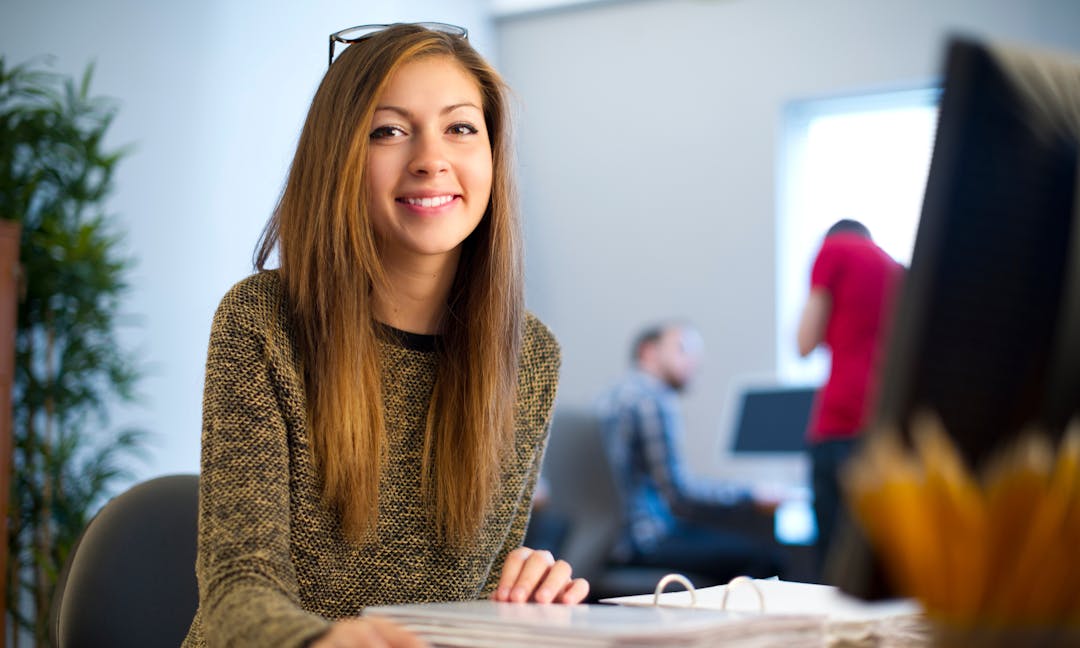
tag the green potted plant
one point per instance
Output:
(55, 175)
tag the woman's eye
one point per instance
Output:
(383, 132)
(462, 129)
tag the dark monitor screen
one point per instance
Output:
(987, 329)
(773, 419)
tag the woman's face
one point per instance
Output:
(429, 164)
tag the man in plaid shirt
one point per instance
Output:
(673, 520)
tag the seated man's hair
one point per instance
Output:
(646, 336)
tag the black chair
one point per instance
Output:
(130, 580)
(584, 493)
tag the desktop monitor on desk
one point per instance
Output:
(770, 424)
(773, 419)
(987, 329)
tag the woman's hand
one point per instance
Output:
(530, 575)
(367, 632)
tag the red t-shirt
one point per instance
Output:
(862, 280)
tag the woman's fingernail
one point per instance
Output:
(543, 596)
(519, 594)
(502, 593)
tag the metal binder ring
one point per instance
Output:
(677, 578)
(743, 580)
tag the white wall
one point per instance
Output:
(649, 157)
(213, 95)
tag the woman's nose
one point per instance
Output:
(429, 156)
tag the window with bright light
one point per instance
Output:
(864, 158)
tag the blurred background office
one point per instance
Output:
(692, 114)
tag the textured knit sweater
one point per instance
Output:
(274, 567)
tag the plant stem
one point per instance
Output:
(44, 548)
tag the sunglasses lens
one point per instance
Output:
(354, 34)
(453, 30)
(359, 33)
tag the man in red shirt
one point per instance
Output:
(852, 286)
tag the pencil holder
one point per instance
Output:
(991, 556)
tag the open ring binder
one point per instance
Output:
(674, 578)
(841, 620)
(799, 614)
(738, 581)
(743, 581)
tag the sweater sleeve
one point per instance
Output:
(517, 530)
(248, 592)
(537, 383)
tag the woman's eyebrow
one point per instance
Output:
(464, 104)
(406, 113)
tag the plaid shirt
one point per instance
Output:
(643, 429)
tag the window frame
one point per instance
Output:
(796, 241)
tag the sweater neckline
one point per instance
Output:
(406, 339)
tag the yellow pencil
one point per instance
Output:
(960, 518)
(1015, 483)
(1062, 593)
(889, 502)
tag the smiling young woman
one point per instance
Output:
(376, 408)
(429, 163)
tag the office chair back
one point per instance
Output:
(130, 580)
(582, 490)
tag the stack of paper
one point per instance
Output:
(482, 624)
(846, 621)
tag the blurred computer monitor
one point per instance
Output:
(987, 329)
(773, 419)
(769, 427)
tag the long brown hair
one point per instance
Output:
(329, 267)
